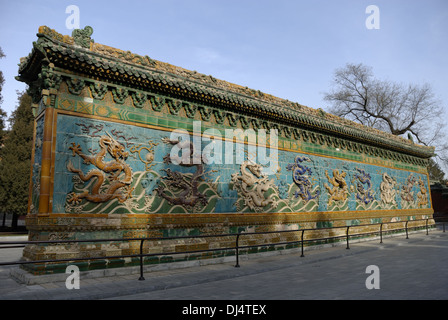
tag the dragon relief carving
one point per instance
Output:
(339, 190)
(422, 195)
(406, 190)
(387, 190)
(364, 192)
(301, 177)
(184, 187)
(252, 186)
(120, 173)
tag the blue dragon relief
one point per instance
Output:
(301, 177)
(363, 186)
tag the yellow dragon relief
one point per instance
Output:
(115, 168)
(422, 196)
(339, 191)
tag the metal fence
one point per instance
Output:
(300, 241)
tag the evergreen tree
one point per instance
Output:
(2, 126)
(16, 160)
(2, 113)
(435, 172)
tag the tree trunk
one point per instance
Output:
(15, 218)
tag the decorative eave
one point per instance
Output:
(80, 55)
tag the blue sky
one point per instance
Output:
(286, 48)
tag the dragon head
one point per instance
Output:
(388, 178)
(115, 149)
(254, 168)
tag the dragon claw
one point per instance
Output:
(74, 198)
(76, 148)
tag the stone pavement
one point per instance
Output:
(408, 269)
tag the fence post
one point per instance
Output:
(237, 251)
(348, 247)
(427, 226)
(302, 255)
(381, 233)
(141, 260)
(406, 226)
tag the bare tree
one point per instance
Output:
(391, 107)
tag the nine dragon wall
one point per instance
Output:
(303, 182)
(110, 179)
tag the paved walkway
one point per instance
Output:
(408, 269)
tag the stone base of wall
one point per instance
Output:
(83, 227)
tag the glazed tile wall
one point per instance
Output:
(304, 182)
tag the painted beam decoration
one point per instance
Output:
(126, 146)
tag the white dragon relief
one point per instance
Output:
(252, 186)
(388, 191)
